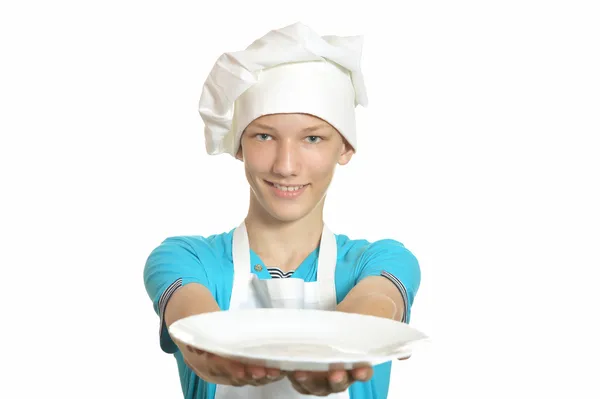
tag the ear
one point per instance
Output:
(345, 153)
(240, 154)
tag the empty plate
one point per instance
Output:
(298, 339)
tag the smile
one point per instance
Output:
(288, 188)
(285, 190)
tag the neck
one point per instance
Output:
(280, 243)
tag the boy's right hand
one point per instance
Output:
(193, 299)
(223, 371)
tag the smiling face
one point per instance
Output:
(290, 160)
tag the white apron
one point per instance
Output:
(249, 292)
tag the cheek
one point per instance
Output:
(322, 169)
(255, 162)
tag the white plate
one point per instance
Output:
(298, 339)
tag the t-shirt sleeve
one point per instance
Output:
(170, 266)
(390, 259)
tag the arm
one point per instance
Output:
(374, 296)
(189, 300)
(387, 277)
(386, 270)
(193, 299)
(178, 277)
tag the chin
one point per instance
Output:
(287, 213)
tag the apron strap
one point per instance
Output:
(241, 251)
(326, 269)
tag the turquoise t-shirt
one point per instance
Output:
(178, 261)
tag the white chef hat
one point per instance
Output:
(289, 70)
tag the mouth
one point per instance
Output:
(287, 190)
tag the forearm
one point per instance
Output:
(374, 296)
(377, 305)
(189, 300)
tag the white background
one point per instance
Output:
(478, 151)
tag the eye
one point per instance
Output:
(314, 139)
(263, 136)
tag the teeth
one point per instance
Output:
(287, 188)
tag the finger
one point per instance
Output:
(270, 378)
(339, 381)
(258, 375)
(228, 367)
(256, 372)
(300, 376)
(314, 383)
(404, 358)
(274, 374)
(362, 373)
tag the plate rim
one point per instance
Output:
(177, 331)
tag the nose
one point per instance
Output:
(286, 159)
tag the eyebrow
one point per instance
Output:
(305, 130)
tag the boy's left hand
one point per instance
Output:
(324, 383)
